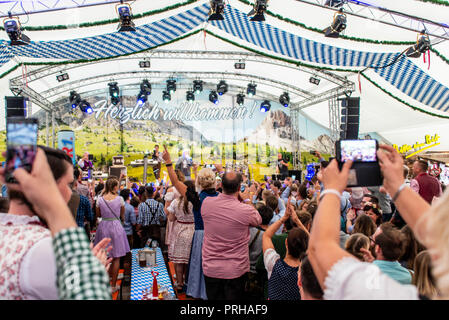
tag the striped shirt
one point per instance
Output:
(150, 212)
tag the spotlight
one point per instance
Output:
(337, 26)
(240, 99)
(260, 7)
(222, 87)
(125, 14)
(62, 77)
(145, 91)
(314, 80)
(114, 92)
(421, 46)
(85, 107)
(197, 86)
(213, 97)
(166, 96)
(74, 99)
(190, 96)
(334, 3)
(216, 10)
(239, 65)
(284, 99)
(144, 64)
(265, 106)
(251, 90)
(14, 30)
(171, 86)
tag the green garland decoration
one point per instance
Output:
(440, 2)
(402, 101)
(104, 22)
(439, 55)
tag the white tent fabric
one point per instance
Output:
(380, 113)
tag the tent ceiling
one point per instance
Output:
(379, 112)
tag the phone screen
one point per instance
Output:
(358, 150)
(21, 145)
(293, 178)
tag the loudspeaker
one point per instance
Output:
(16, 106)
(117, 171)
(350, 117)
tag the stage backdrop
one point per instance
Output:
(225, 133)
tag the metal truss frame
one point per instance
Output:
(334, 119)
(388, 17)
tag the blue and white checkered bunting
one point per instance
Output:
(142, 279)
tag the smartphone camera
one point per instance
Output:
(21, 135)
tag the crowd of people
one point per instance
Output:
(228, 236)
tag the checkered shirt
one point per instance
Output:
(150, 213)
(80, 274)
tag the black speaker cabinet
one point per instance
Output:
(16, 106)
(117, 170)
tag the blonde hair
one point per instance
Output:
(356, 242)
(422, 278)
(266, 193)
(433, 232)
(206, 179)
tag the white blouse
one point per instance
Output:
(351, 279)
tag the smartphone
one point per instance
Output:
(293, 178)
(242, 188)
(21, 145)
(365, 169)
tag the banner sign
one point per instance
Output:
(429, 142)
(66, 143)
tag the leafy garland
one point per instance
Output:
(402, 101)
(440, 2)
(104, 22)
(439, 55)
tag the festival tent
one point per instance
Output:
(400, 103)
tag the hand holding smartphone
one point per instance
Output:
(21, 147)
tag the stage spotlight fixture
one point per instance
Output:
(85, 107)
(284, 99)
(222, 87)
(265, 106)
(216, 10)
(114, 92)
(334, 3)
(421, 46)
(213, 97)
(171, 86)
(62, 77)
(239, 65)
(337, 26)
(197, 86)
(251, 90)
(240, 99)
(314, 80)
(258, 11)
(166, 96)
(14, 30)
(145, 64)
(125, 15)
(145, 91)
(74, 99)
(190, 96)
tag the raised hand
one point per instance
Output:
(166, 155)
(333, 178)
(391, 165)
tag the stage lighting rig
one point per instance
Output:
(421, 46)
(240, 99)
(240, 65)
(251, 90)
(171, 86)
(213, 97)
(62, 77)
(258, 11)
(145, 91)
(284, 99)
(190, 96)
(216, 10)
(197, 86)
(166, 96)
(222, 87)
(334, 3)
(14, 30)
(337, 26)
(314, 80)
(85, 107)
(145, 64)
(114, 92)
(125, 15)
(265, 106)
(74, 99)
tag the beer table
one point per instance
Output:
(141, 278)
